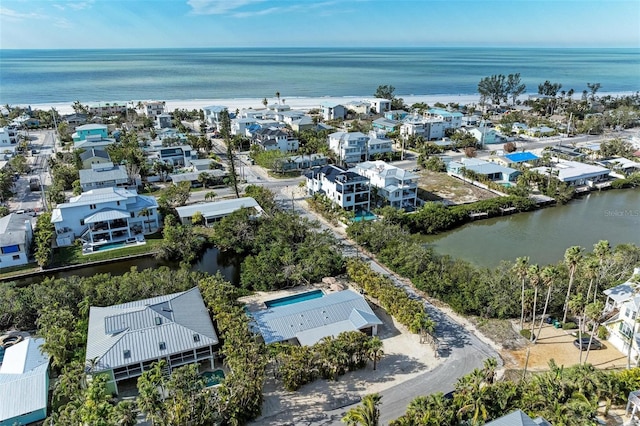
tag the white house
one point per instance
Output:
(104, 175)
(451, 120)
(348, 146)
(575, 173)
(490, 170)
(125, 340)
(217, 210)
(379, 105)
(347, 189)
(239, 126)
(180, 155)
(163, 121)
(153, 109)
(428, 128)
(106, 215)
(397, 186)
(377, 144)
(621, 313)
(272, 138)
(8, 139)
(487, 136)
(213, 114)
(16, 234)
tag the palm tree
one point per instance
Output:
(146, 213)
(577, 305)
(490, 365)
(602, 250)
(534, 278)
(265, 102)
(548, 276)
(367, 414)
(210, 196)
(593, 312)
(278, 96)
(374, 350)
(521, 267)
(572, 258)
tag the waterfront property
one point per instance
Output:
(125, 340)
(347, 189)
(379, 105)
(104, 175)
(306, 321)
(24, 383)
(621, 310)
(396, 186)
(16, 234)
(213, 114)
(153, 109)
(217, 210)
(332, 111)
(575, 173)
(105, 215)
(620, 167)
(491, 171)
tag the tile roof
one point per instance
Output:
(140, 326)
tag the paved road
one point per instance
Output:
(460, 349)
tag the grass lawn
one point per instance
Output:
(72, 255)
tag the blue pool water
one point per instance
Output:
(364, 215)
(294, 298)
(109, 246)
(213, 378)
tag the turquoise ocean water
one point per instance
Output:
(52, 76)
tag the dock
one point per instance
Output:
(507, 210)
(478, 215)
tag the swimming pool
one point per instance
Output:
(294, 298)
(213, 378)
(109, 246)
(363, 215)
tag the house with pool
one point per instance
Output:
(345, 188)
(306, 318)
(105, 217)
(396, 186)
(127, 339)
(621, 312)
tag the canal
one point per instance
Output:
(545, 234)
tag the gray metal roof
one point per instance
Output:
(286, 322)
(103, 173)
(517, 418)
(23, 379)
(107, 214)
(13, 229)
(218, 208)
(138, 327)
(94, 152)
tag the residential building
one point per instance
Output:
(398, 187)
(104, 175)
(541, 131)
(302, 162)
(304, 123)
(25, 121)
(522, 157)
(24, 383)
(307, 322)
(125, 340)
(86, 131)
(105, 215)
(487, 136)
(163, 121)
(108, 109)
(179, 155)
(518, 418)
(153, 109)
(347, 189)
(76, 119)
(377, 145)
(491, 171)
(194, 178)
(8, 138)
(204, 164)
(272, 138)
(396, 115)
(94, 141)
(451, 120)
(333, 111)
(379, 105)
(93, 156)
(575, 173)
(620, 167)
(217, 210)
(213, 114)
(348, 146)
(359, 107)
(427, 128)
(16, 235)
(621, 316)
(239, 126)
(386, 124)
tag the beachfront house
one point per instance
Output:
(359, 107)
(306, 322)
(153, 109)
(621, 315)
(333, 111)
(397, 187)
(16, 235)
(451, 120)
(213, 114)
(486, 169)
(217, 210)
(575, 173)
(379, 105)
(107, 109)
(347, 189)
(88, 130)
(24, 383)
(415, 125)
(163, 121)
(105, 215)
(105, 175)
(125, 340)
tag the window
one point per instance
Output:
(16, 257)
(163, 346)
(348, 197)
(133, 214)
(81, 222)
(126, 353)
(92, 206)
(158, 321)
(625, 329)
(196, 337)
(118, 203)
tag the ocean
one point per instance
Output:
(54, 76)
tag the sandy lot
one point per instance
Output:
(434, 186)
(557, 344)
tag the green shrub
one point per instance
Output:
(569, 326)
(603, 333)
(620, 183)
(526, 333)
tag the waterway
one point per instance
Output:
(545, 234)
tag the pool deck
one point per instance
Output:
(255, 302)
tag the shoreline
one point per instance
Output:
(299, 103)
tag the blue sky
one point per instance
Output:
(32, 24)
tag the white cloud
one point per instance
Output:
(62, 23)
(14, 15)
(219, 7)
(80, 5)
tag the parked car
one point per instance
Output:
(583, 344)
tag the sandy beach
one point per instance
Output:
(299, 103)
